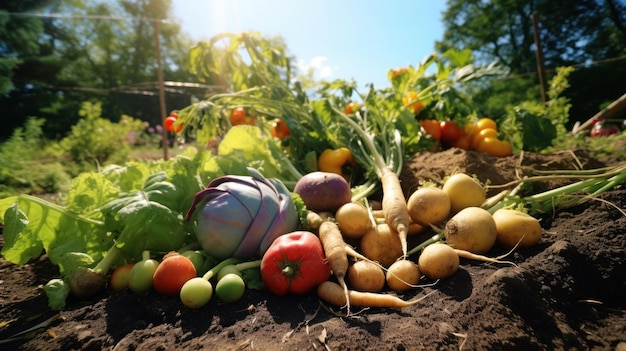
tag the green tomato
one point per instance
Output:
(196, 292)
(230, 288)
(140, 280)
(197, 258)
(227, 270)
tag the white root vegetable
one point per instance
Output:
(516, 228)
(429, 205)
(403, 275)
(438, 261)
(463, 191)
(366, 276)
(472, 229)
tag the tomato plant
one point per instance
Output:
(431, 127)
(294, 264)
(396, 72)
(279, 129)
(450, 132)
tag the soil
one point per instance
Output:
(566, 293)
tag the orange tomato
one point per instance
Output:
(172, 273)
(478, 137)
(463, 142)
(431, 127)
(412, 102)
(495, 147)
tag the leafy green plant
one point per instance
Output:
(25, 166)
(95, 141)
(535, 126)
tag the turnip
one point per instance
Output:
(472, 229)
(402, 275)
(428, 205)
(463, 191)
(353, 220)
(516, 228)
(381, 244)
(366, 276)
(438, 261)
(323, 191)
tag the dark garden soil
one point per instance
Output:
(566, 293)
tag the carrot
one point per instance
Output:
(333, 293)
(336, 254)
(394, 206)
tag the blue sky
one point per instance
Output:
(346, 39)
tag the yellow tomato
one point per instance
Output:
(481, 135)
(484, 123)
(495, 147)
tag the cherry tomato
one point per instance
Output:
(495, 147)
(351, 108)
(169, 124)
(417, 106)
(481, 135)
(431, 127)
(279, 129)
(450, 132)
(238, 116)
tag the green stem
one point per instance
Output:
(105, 263)
(213, 271)
(248, 265)
(60, 209)
(435, 238)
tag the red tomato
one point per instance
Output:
(174, 114)
(279, 129)
(351, 108)
(431, 127)
(169, 124)
(172, 273)
(450, 132)
(294, 264)
(495, 147)
(238, 116)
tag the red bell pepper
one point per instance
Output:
(294, 264)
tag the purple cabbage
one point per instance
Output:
(240, 216)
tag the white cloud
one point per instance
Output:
(317, 66)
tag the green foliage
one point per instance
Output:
(25, 166)
(535, 126)
(95, 141)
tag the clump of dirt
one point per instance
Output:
(565, 293)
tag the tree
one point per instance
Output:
(572, 33)
(97, 50)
